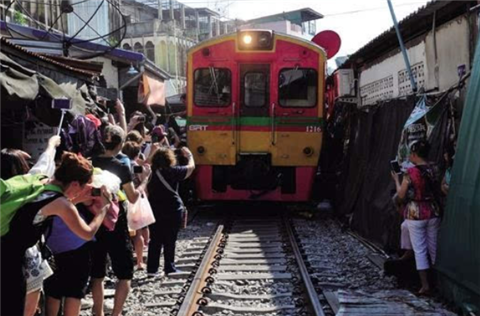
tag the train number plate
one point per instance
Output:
(314, 129)
(197, 127)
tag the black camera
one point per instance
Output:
(96, 192)
(137, 169)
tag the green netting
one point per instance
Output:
(459, 242)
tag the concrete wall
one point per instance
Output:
(387, 78)
(109, 71)
(453, 50)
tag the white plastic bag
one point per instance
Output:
(106, 178)
(140, 213)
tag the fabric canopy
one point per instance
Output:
(459, 241)
(151, 91)
(20, 86)
(18, 83)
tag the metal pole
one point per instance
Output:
(61, 122)
(402, 47)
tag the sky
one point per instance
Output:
(356, 21)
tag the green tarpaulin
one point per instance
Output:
(459, 242)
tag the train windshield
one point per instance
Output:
(297, 87)
(212, 87)
(255, 85)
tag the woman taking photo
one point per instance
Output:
(167, 206)
(421, 211)
(31, 220)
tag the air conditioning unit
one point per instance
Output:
(344, 83)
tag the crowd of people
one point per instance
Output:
(59, 240)
(420, 197)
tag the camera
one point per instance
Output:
(137, 169)
(96, 192)
(141, 119)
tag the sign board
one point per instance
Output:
(35, 139)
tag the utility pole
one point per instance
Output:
(402, 47)
(160, 11)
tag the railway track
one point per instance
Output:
(251, 267)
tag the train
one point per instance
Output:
(255, 107)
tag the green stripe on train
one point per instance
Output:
(256, 121)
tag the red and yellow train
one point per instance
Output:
(255, 105)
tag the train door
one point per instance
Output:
(254, 109)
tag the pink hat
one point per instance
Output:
(159, 130)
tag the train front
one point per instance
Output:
(255, 106)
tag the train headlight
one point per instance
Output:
(247, 39)
(200, 150)
(255, 40)
(308, 151)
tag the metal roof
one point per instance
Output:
(6, 43)
(416, 24)
(296, 16)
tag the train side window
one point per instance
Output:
(212, 87)
(297, 87)
(255, 85)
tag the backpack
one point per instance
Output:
(433, 186)
(82, 136)
(18, 191)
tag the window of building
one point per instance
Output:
(212, 86)
(150, 51)
(312, 27)
(127, 47)
(297, 87)
(138, 48)
(255, 85)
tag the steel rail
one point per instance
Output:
(189, 305)
(312, 293)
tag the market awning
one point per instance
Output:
(20, 86)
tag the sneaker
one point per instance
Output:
(155, 274)
(175, 270)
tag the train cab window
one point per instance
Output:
(297, 87)
(212, 87)
(255, 85)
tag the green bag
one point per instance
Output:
(18, 191)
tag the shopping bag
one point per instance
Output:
(140, 213)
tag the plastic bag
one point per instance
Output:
(112, 183)
(106, 178)
(140, 213)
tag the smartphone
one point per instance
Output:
(395, 166)
(111, 105)
(137, 169)
(96, 192)
(155, 138)
(62, 104)
(141, 119)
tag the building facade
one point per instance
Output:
(300, 23)
(165, 30)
